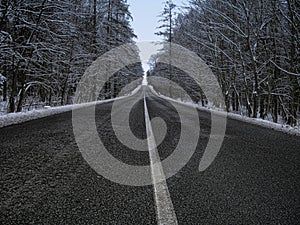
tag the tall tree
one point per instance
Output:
(253, 49)
(45, 46)
(166, 31)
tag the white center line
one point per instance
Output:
(164, 207)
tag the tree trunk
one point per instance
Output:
(294, 86)
(262, 107)
(255, 93)
(13, 93)
(21, 99)
(22, 94)
(233, 101)
(275, 109)
(5, 91)
(50, 98)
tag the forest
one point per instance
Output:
(46, 45)
(253, 47)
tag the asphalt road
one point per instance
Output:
(45, 180)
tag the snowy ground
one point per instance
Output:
(16, 118)
(264, 123)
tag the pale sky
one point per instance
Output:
(145, 17)
(145, 21)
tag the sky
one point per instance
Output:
(145, 17)
(145, 21)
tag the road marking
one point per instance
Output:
(164, 206)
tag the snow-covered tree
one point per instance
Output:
(46, 45)
(253, 49)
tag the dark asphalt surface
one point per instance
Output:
(45, 180)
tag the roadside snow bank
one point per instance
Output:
(260, 122)
(268, 124)
(16, 118)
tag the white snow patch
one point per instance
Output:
(268, 124)
(260, 122)
(17, 118)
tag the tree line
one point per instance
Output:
(253, 47)
(46, 45)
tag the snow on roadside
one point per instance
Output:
(16, 118)
(268, 124)
(260, 122)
